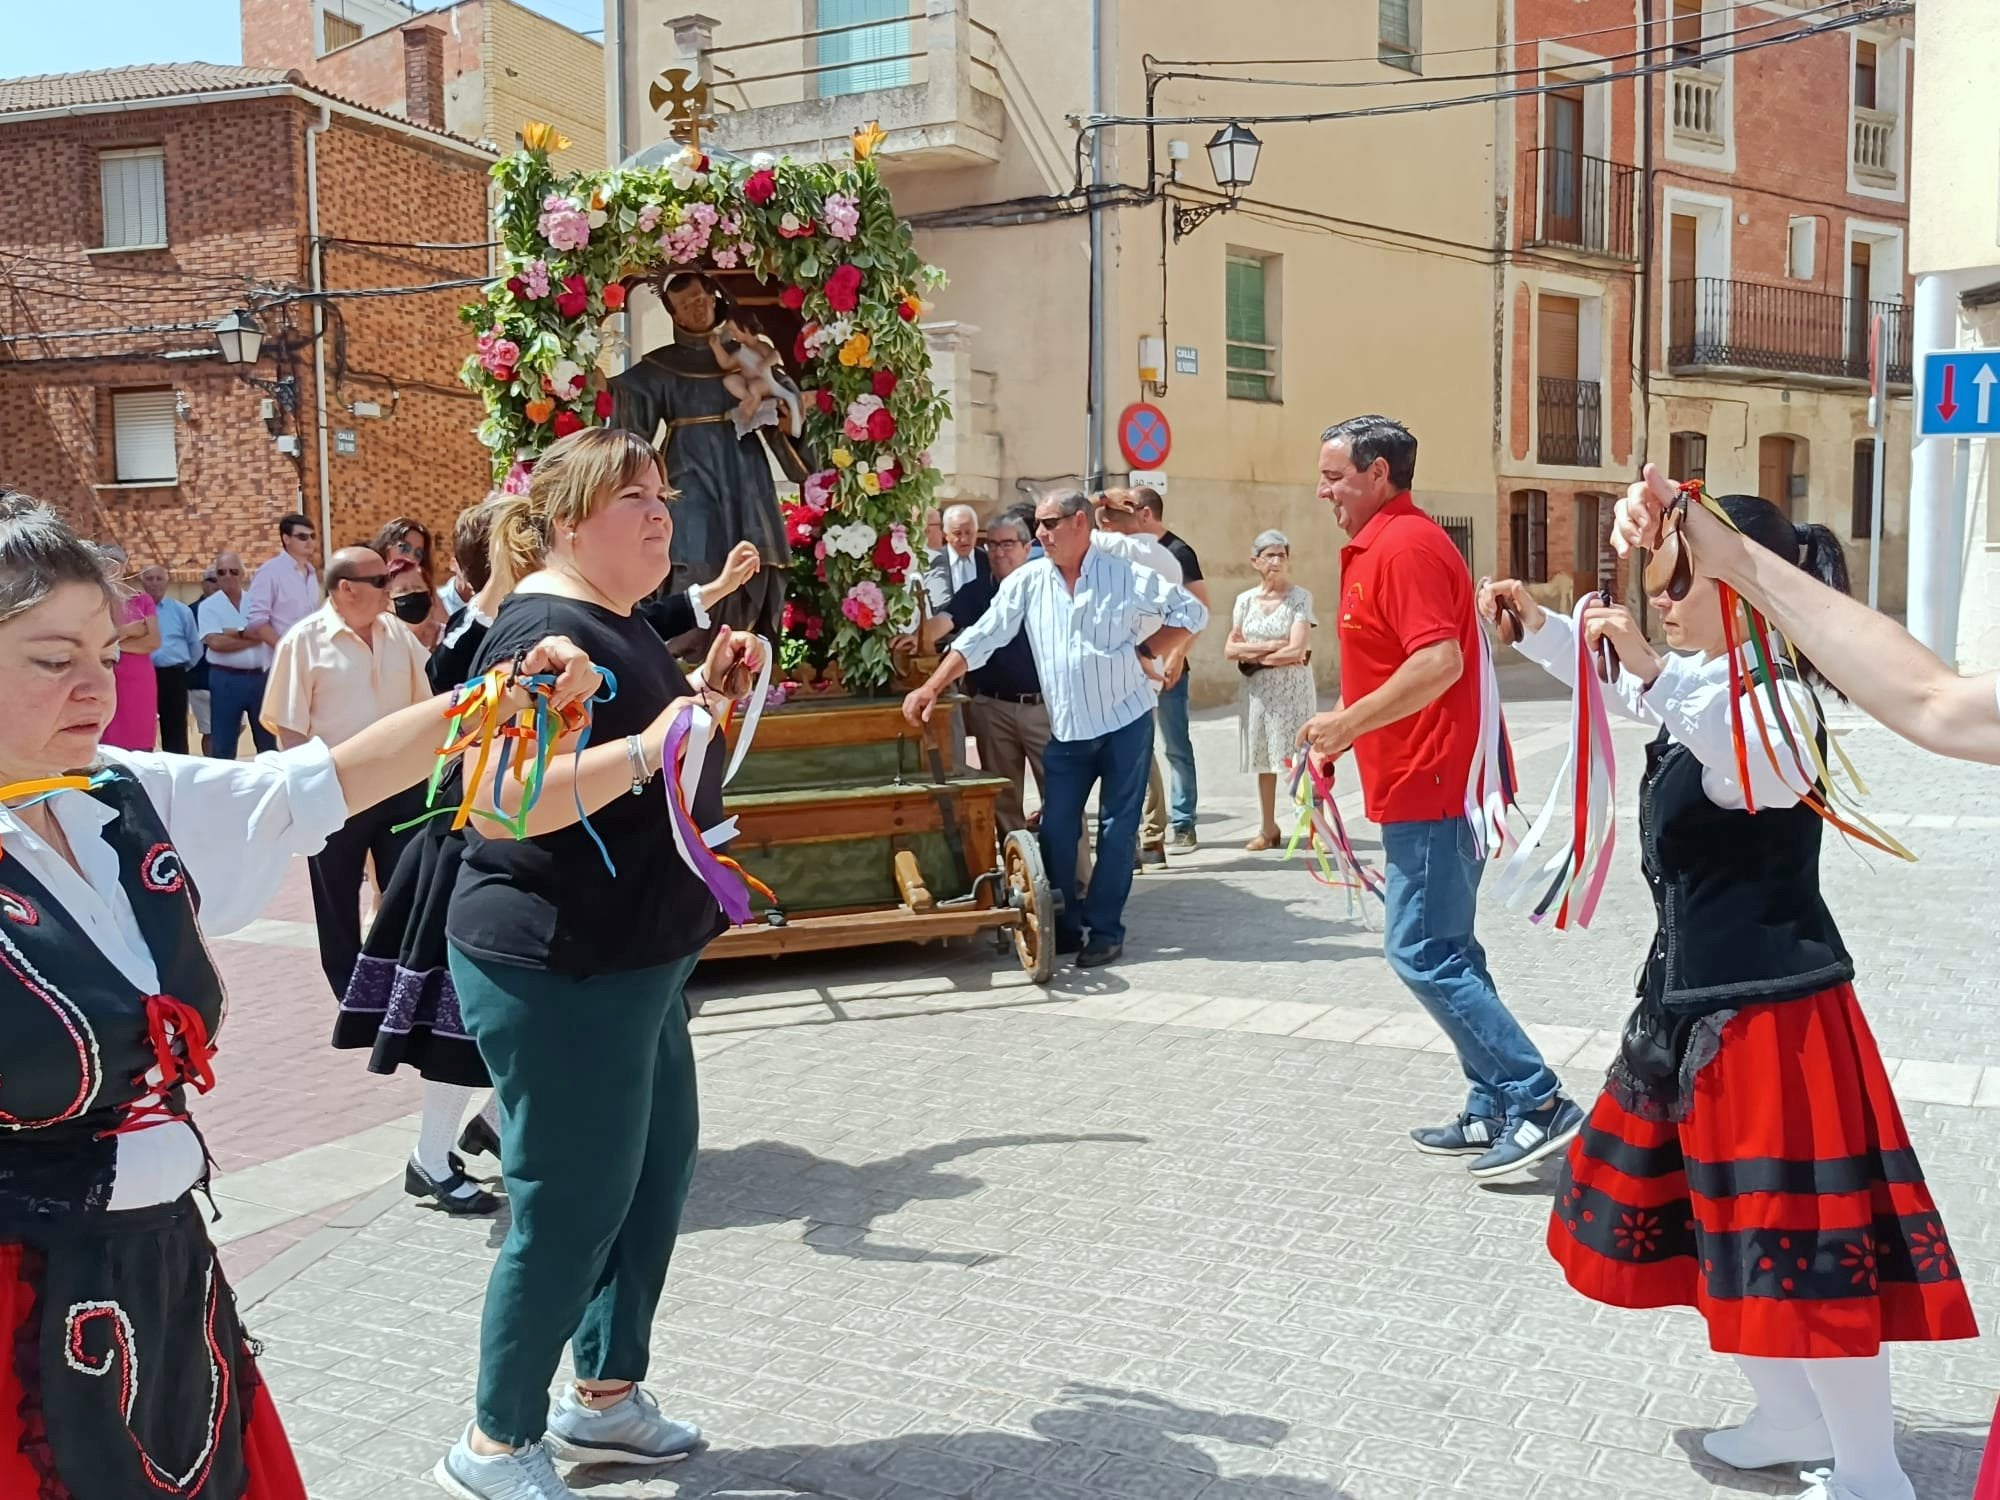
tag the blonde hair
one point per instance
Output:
(574, 475)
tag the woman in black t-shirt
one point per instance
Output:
(569, 976)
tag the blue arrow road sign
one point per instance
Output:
(1958, 394)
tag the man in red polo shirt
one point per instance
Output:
(1409, 682)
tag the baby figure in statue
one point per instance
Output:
(748, 359)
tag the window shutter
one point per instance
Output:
(339, 30)
(888, 40)
(1861, 521)
(143, 437)
(1559, 318)
(1248, 363)
(134, 191)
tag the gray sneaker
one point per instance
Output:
(526, 1475)
(632, 1432)
(1184, 839)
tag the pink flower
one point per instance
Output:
(563, 224)
(516, 482)
(842, 215)
(535, 277)
(792, 227)
(817, 492)
(864, 604)
(724, 259)
(499, 358)
(703, 214)
(859, 414)
(649, 218)
(888, 474)
(761, 187)
(729, 224)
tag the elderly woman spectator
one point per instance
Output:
(1267, 641)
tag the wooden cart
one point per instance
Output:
(857, 822)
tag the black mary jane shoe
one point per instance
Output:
(420, 1184)
(479, 1139)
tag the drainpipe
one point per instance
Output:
(1093, 441)
(315, 252)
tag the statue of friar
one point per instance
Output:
(711, 402)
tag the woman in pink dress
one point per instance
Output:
(135, 724)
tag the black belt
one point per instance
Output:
(239, 671)
(1032, 700)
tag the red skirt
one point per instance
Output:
(236, 1451)
(1787, 1207)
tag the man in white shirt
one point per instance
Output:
(286, 589)
(337, 671)
(238, 663)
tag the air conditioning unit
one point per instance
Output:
(289, 445)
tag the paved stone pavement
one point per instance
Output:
(1156, 1232)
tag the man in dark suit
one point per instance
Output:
(959, 561)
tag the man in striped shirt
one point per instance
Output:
(1089, 616)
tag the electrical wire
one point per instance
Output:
(1829, 26)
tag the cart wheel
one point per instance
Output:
(1028, 894)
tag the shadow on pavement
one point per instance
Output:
(1942, 1463)
(1100, 1441)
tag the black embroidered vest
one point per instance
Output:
(77, 1038)
(1741, 920)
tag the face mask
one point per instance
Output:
(412, 609)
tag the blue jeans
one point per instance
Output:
(1432, 899)
(1117, 764)
(1179, 750)
(232, 697)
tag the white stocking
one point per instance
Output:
(1784, 1396)
(444, 1107)
(1854, 1396)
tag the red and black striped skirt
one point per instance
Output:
(1787, 1207)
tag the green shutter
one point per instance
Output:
(1395, 36)
(891, 39)
(1243, 318)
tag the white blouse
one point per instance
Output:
(236, 825)
(1690, 699)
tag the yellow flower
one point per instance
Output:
(871, 482)
(867, 138)
(855, 352)
(537, 135)
(841, 458)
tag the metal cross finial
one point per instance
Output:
(684, 100)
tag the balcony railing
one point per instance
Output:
(1569, 422)
(1698, 106)
(1745, 326)
(1875, 144)
(1585, 203)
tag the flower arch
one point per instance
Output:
(825, 235)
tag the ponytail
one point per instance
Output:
(519, 544)
(1812, 548)
(1821, 555)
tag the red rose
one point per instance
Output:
(825, 399)
(575, 298)
(800, 354)
(881, 426)
(907, 309)
(761, 187)
(892, 563)
(843, 289)
(884, 382)
(794, 617)
(517, 286)
(792, 297)
(603, 404)
(567, 422)
(505, 374)
(614, 296)
(815, 626)
(819, 572)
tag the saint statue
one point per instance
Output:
(688, 399)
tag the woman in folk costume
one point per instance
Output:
(123, 1370)
(1747, 1157)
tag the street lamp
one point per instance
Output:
(1232, 156)
(240, 337)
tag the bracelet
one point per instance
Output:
(635, 753)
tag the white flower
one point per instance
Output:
(598, 218)
(854, 540)
(567, 378)
(684, 171)
(762, 161)
(586, 346)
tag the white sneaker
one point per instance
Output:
(1820, 1486)
(1761, 1443)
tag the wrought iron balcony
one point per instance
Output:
(1569, 422)
(1584, 203)
(1741, 325)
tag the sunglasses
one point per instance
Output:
(228, 572)
(1049, 523)
(368, 580)
(301, 536)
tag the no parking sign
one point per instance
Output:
(1143, 435)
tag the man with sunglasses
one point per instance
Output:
(286, 588)
(1089, 617)
(346, 665)
(237, 663)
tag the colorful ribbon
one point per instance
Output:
(1334, 860)
(682, 759)
(41, 788)
(1745, 630)
(1493, 785)
(1573, 880)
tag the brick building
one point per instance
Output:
(140, 205)
(500, 63)
(1694, 262)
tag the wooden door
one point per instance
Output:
(1562, 168)
(1860, 261)
(1774, 471)
(1683, 290)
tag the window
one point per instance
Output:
(1397, 25)
(1687, 456)
(1862, 527)
(1801, 245)
(142, 427)
(1251, 360)
(1595, 565)
(338, 30)
(889, 41)
(1686, 23)
(1864, 75)
(1528, 531)
(133, 185)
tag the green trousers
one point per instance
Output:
(598, 1121)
